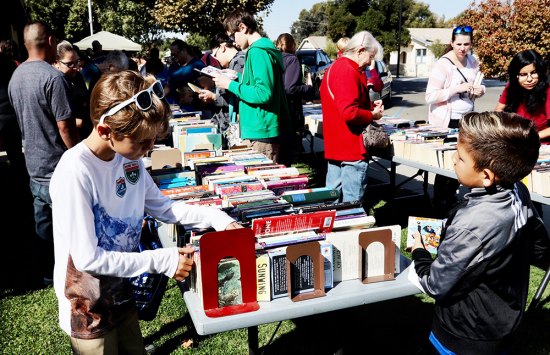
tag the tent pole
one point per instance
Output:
(90, 16)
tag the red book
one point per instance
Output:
(320, 221)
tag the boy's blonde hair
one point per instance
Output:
(503, 142)
(114, 88)
(341, 43)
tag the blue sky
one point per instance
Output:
(285, 12)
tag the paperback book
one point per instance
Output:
(429, 229)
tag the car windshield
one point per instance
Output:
(307, 59)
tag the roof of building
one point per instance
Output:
(428, 36)
(313, 42)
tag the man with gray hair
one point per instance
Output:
(40, 96)
(115, 61)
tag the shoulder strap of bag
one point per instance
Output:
(456, 68)
(328, 86)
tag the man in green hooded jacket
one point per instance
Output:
(263, 110)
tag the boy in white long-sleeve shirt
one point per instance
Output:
(100, 192)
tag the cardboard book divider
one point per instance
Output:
(165, 157)
(313, 250)
(383, 236)
(214, 246)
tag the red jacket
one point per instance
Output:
(373, 78)
(345, 116)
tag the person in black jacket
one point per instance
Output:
(296, 92)
(480, 277)
(10, 134)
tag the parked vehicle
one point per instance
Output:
(385, 74)
(318, 62)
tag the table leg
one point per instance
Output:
(253, 340)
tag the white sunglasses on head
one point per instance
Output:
(143, 100)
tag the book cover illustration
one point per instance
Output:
(229, 282)
(429, 228)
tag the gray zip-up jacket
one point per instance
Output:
(480, 276)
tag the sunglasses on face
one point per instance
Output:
(142, 99)
(463, 29)
(71, 65)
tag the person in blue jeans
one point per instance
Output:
(347, 110)
(40, 95)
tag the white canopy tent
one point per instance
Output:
(109, 41)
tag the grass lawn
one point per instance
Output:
(28, 317)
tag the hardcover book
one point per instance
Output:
(326, 252)
(320, 222)
(277, 258)
(429, 229)
(263, 272)
(310, 195)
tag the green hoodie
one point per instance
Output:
(263, 110)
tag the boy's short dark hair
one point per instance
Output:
(503, 142)
(219, 39)
(182, 46)
(234, 19)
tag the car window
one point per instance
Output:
(325, 58)
(307, 59)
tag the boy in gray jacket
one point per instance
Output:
(480, 276)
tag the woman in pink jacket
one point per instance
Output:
(450, 94)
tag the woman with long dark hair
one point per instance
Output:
(527, 92)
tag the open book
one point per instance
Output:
(213, 72)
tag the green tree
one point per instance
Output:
(202, 17)
(310, 22)
(501, 29)
(419, 16)
(69, 18)
(438, 48)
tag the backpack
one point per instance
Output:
(148, 288)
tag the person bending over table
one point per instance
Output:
(347, 110)
(100, 192)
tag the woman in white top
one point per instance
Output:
(451, 90)
(450, 94)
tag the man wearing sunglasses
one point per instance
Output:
(263, 110)
(40, 96)
(68, 63)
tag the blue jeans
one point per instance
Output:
(348, 177)
(438, 346)
(42, 203)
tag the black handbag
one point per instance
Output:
(148, 288)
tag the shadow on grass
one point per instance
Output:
(399, 326)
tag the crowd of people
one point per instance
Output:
(85, 118)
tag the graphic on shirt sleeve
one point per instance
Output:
(116, 234)
(120, 186)
(131, 171)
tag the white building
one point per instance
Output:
(417, 59)
(313, 42)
